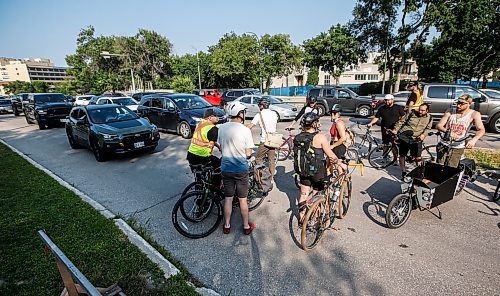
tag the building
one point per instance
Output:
(352, 77)
(30, 70)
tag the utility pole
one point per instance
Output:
(385, 58)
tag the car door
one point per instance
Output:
(154, 111)
(79, 131)
(480, 106)
(169, 115)
(331, 98)
(440, 97)
(247, 101)
(346, 101)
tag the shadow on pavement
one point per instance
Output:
(381, 193)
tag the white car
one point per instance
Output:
(82, 100)
(285, 111)
(124, 101)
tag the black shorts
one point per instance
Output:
(415, 148)
(340, 151)
(235, 183)
(316, 181)
(386, 138)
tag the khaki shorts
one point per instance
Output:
(453, 154)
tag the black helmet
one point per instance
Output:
(209, 112)
(336, 108)
(309, 118)
(264, 103)
(313, 100)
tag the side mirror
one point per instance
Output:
(483, 99)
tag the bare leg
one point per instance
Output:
(244, 211)
(418, 161)
(228, 209)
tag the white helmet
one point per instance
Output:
(389, 97)
(235, 108)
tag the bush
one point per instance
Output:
(313, 76)
(182, 84)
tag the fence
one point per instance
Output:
(479, 84)
(293, 91)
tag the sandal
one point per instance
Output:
(226, 230)
(249, 230)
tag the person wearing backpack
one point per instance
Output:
(338, 132)
(311, 152)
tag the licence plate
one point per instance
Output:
(64, 120)
(139, 145)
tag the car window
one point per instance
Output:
(438, 92)
(125, 101)
(229, 94)
(314, 92)
(344, 94)
(147, 103)
(156, 103)
(246, 100)
(238, 93)
(191, 102)
(466, 90)
(111, 114)
(50, 98)
(169, 104)
(74, 113)
(330, 92)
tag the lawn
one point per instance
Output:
(485, 158)
(30, 200)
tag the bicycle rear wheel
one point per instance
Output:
(379, 159)
(345, 198)
(196, 214)
(314, 224)
(255, 196)
(284, 150)
(353, 156)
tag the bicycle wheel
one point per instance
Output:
(379, 159)
(345, 198)
(353, 156)
(429, 153)
(192, 187)
(398, 211)
(255, 196)
(199, 214)
(314, 224)
(461, 184)
(284, 150)
(496, 196)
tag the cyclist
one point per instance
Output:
(236, 143)
(457, 123)
(415, 99)
(412, 130)
(267, 120)
(338, 132)
(311, 106)
(390, 114)
(319, 143)
(203, 141)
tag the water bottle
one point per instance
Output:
(336, 192)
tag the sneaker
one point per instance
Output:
(226, 230)
(403, 175)
(249, 230)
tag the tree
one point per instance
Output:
(333, 51)
(313, 76)
(18, 86)
(182, 84)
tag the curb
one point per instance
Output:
(168, 268)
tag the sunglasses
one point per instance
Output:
(462, 103)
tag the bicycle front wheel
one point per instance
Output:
(284, 150)
(345, 198)
(197, 214)
(192, 187)
(381, 157)
(314, 224)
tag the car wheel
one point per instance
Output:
(16, 113)
(99, 153)
(364, 111)
(321, 109)
(27, 119)
(71, 140)
(495, 123)
(184, 130)
(277, 114)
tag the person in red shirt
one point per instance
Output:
(338, 132)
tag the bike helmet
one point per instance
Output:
(313, 100)
(234, 109)
(209, 112)
(336, 108)
(309, 118)
(264, 103)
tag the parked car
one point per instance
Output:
(18, 103)
(492, 93)
(106, 129)
(46, 109)
(350, 101)
(82, 100)
(5, 105)
(210, 95)
(124, 101)
(400, 98)
(179, 113)
(283, 110)
(138, 96)
(232, 94)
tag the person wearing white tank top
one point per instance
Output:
(458, 123)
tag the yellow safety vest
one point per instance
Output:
(200, 145)
(419, 100)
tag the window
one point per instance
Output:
(238, 93)
(314, 92)
(147, 103)
(360, 77)
(438, 92)
(329, 92)
(246, 100)
(169, 104)
(467, 90)
(372, 76)
(74, 113)
(344, 95)
(327, 80)
(156, 103)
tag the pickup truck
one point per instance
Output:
(351, 102)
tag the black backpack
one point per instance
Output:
(305, 162)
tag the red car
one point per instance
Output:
(210, 95)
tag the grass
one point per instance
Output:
(485, 158)
(29, 201)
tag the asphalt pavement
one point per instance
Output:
(456, 254)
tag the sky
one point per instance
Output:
(48, 28)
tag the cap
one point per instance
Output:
(465, 98)
(389, 97)
(209, 112)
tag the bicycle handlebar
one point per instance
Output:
(289, 128)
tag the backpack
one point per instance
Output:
(349, 140)
(305, 162)
(263, 178)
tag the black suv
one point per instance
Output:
(18, 102)
(46, 109)
(231, 94)
(350, 101)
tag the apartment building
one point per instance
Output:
(30, 70)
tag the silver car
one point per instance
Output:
(6, 106)
(285, 111)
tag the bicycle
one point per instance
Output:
(286, 148)
(324, 206)
(366, 139)
(202, 208)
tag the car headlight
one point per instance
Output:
(109, 137)
(197, 119)
(41, 112)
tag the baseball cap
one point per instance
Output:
(466, 98)
(389, 97)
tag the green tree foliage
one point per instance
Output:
(333, 51)
(27, 87)
(66, 87)
(313, 76)
(182, 84)
(187, 66)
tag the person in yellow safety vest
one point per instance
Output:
(416, 98)
(203, 141)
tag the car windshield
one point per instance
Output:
(111, 114)
(191, 102)
(3, 102)
(492, 93)
(124, 101)
(273, 100)
(46, 98)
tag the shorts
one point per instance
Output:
(340, 151)
(415, 148)
(316, 181)
(235, 184)
(386, 138)
(453, 154)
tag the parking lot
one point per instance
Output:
(454, 255)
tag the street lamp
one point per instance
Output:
(199, 76)
(259, 59)
(107, 55)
